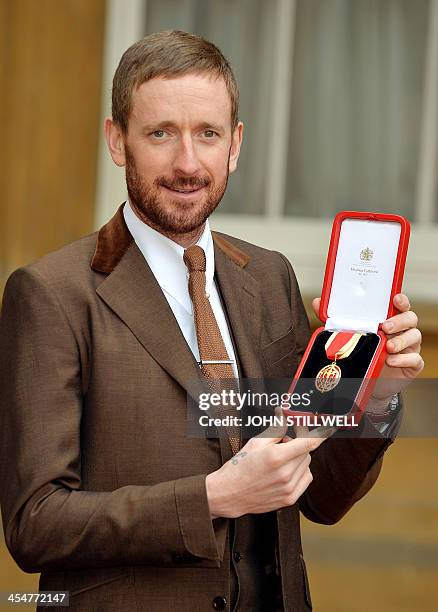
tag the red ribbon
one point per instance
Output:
(338, 343)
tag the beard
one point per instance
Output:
(167, 216)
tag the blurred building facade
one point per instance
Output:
(339, 99)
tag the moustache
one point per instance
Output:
(193, 182)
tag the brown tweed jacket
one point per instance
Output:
(101, 490)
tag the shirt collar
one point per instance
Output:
(165, 257)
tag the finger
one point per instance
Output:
(401, 302)
(301, 432)
(274, 433)
(295, 470)
(400, 322)
(319, 432)
(297, 447)
(304, 483)
(406, 339)
(315, 304)
(390, 336)
(412, 361)
(301, 487)
(290, 468)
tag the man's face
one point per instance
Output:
(179, 150)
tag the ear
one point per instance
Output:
(236, 141)
(115, 142)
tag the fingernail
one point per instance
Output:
(392, 345)
(389, 326)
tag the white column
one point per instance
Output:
(125, 24)
(281, 94)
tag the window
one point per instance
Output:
(339, 101)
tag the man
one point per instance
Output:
(102, 490)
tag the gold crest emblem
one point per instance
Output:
(366, 254)
(328, 377)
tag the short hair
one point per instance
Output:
(168, 54)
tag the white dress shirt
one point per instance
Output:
(165, 259)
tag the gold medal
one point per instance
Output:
(328, 377)
(339, 346)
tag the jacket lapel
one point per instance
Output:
(241, 297)
(241, 294)
(132, 292)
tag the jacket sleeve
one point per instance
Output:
(48, 521)
(344, 468)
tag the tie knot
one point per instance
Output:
(194, 258)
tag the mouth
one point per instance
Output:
(184, 193)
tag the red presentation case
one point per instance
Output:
(365, 266)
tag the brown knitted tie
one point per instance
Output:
(210, 342)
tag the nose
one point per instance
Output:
(186, 161)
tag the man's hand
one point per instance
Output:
(403, 362)
(266, 474)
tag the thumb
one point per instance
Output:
(315, 304)
(316, 434)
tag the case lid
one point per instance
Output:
(365, 266)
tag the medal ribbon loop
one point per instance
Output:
(341, 344)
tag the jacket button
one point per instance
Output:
(219, 603)
(237, 556)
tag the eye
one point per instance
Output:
(210, 133)
(158, 133)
